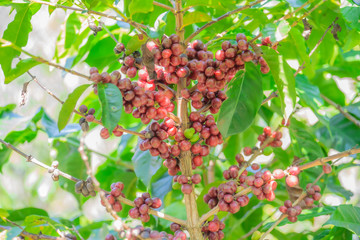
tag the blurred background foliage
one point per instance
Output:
(317, 129)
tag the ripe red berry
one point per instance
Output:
(292, 181)
(327, 168)
(156, 202)
(247, 151)
(278, 173)
(255, 166)
(214, 226)
(196, 178)
(288, 204)
(104, 133)
(186, 188)
(294, 170)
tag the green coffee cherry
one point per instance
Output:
(195, 138)
(189, 133)
(267, 151)
(176, 186)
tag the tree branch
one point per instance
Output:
(74, 179)
(42, 60)
(338, 107)
(96, 183)
(283, 216)
(164, 6)
(307, 13)
(321, 161)
(77, 112)
(256, 227)
(30, 235)
(136, 25)
(290, 14)
(220, 18)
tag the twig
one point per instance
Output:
(42, 60)
(96, 183)
(74, 179)
(138, 26)
(164, 6)
(283, 216)
(321, 161)
(257, 227)
(166, 87)
(275, 94)
(204, 108)
(290, 14)
(77, 112)
(31, 159)
(307, 13)
(271, 96)
(30, 235)
(118, 161)
(220, 18)
(338, 107)
(108, 31)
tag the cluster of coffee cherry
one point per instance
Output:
(290, 210)
(131, 63)
(213, 229)
(116, 191)
(276, 136)
(178, 233)
(313, 194)
(139, 232)
(105, 134)
(185, 183)
(155, 144)
(143, 205)
(89, 113)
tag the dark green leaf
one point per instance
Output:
(283, 77)
(346, 216)
(244, 100)
(69, 105)
(309, 93)
(111, 104)
(352, 15)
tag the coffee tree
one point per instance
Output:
(231, 118)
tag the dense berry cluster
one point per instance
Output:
(276, 136)
(313, 194)
(290, 210)
(143, 205)
(89, 113)
(224, 197)
(262, 185)
(178, 233)
(186, 182)
(155, 144)
(139, 232)
(213, 230)
(292, 179)
(116, 191)
(131, 63)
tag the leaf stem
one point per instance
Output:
(164, 6)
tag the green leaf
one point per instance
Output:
(69, 105)
(225, 4)
(352, 40)
(140, 6)
(70, 162)
(21, 214)
(304, 142)
(161, 184)
(308, 92)
(73, 24)
(3, 214)
(111, 104)
(21, 67)
(283, 77)
(346, 216)
(145, 165)
(195, 17)
(17, 32)
(244, 100)
(294, 47)
(52, 130)
(135, 43)
(305, 215)
(352, 15)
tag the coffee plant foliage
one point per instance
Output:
(189, 95)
